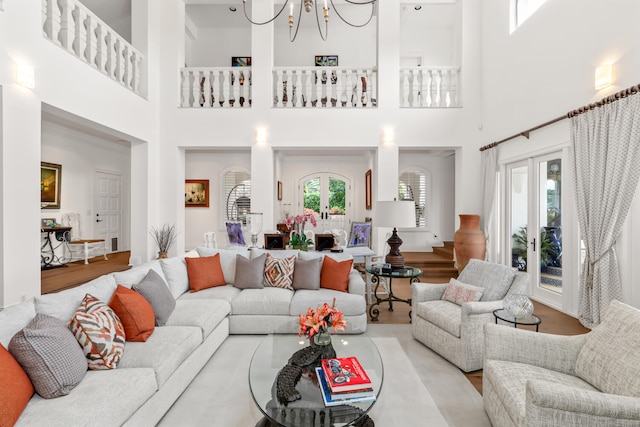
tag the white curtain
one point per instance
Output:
(489, 166)
(606, 160)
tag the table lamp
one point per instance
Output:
(396, 214)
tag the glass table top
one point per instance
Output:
(272, 355)
(404, 273)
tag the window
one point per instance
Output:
(521, 10)
(236, 196)
(415, 185)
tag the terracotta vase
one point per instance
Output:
(469, 241)
(162, 255)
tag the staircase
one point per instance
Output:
(436, 266)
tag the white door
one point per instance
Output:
(328, 195)
(107, 218)
(535, 217)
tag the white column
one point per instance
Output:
(388, 65)
(262, 54)
(20, 187)
(263, 185)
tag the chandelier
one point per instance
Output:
(308, 5)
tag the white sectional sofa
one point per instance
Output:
(151, 375)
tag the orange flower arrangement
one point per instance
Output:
(319, 320)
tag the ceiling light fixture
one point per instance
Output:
(417, 7)
(308, 5)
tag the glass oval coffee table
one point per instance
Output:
(273, 354)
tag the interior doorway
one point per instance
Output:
(107, 218)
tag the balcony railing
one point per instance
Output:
(70, 25)
(219, 87)
(324, 87)
(434, 87)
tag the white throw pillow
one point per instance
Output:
(175, 271)
(459, 293)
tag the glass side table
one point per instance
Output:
(411, 273)
(504, 315)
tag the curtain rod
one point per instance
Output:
(604, 101)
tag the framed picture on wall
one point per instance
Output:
(367, 190)
(241, 61)
(326, 60)
(196, 193)
(50, 183)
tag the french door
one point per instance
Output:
(328, 195)
(534, 204)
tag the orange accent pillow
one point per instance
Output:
(16, 388)
(335, 275)
(135, 313)
(205, 272)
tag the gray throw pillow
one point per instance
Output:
(249, 272)
(154, 289)
(306, 274)
(50, 355)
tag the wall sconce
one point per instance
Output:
(261, 136)
(604, 76)
(25, 76)
(387, 136)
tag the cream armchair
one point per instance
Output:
(456, 331)
(536, 379)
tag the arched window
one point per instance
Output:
(235, 200)
(415, 185)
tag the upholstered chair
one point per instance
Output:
(455, 329)
(535, 379)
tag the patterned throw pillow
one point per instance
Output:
(100, 333)
(278, 272)
(459, 293)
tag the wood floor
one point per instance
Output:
(553, 321)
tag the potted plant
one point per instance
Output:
(164, 237)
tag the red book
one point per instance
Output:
(345, 374)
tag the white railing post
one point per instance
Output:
(221, 88)
(308, 88)
(297, 89)
(53, 20)
(66, 25)
(213, 98)
(438, 87)
(92, 44)
(79, 32)
(185, 77)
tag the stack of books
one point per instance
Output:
(343, 380)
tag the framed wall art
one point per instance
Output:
(360, 234)
(47, 222)
(196, 193)
(275, 241)
(50, 183)
(324, 242)
(241, 61)
(367, 190)
(326, 60)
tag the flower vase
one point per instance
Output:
(322, 338)
(162, 255)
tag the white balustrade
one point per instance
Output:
(429, 87)
(70, 25)
(219, 87)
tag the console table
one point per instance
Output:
(54, 238)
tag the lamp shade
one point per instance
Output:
(397, 213)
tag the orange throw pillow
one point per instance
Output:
(205, 272)
(335, 275)
(16, 388)
(135, 313)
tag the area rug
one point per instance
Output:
(420, 388)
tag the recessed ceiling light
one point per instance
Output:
(232, 9)
(418, 7)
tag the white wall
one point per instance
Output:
(80, 156)
(215, 47)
